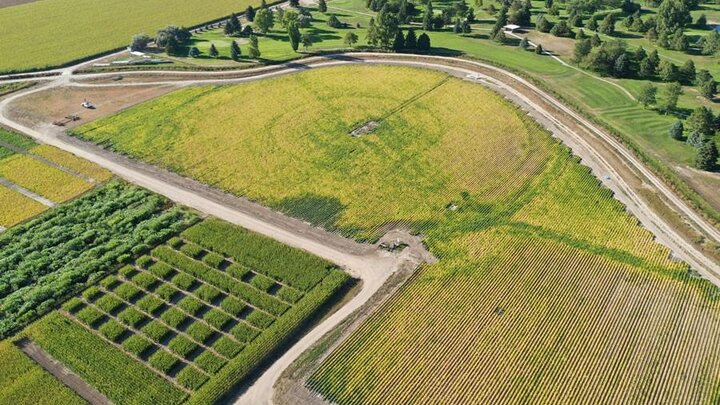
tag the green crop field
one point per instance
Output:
(75, 29)
(189, 320)
(546, 289)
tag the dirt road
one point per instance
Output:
(363, 261)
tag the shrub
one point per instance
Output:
(191, 378)
(289, 294)
(213, 259)
(131, 316)
(108, 303)
(190, 305)
(182, 346)
(192, 250)
(183, 280)
(173, 317)
(232, 305)
(73, 305)
(217, 318)
(136, 344)
(260, 319)
(207, 293)
(112, 330)
(149, 304)
(90, 316)
(145, 262)
(163, 361)
(243, 332)
(155, 330)
(209, 362)
(227, 347)
(199, 331)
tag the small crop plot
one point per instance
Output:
(187, 330)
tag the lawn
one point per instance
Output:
(76, 29)
(546, 288)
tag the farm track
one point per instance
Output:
(610, 161)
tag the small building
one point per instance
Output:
(511, 28)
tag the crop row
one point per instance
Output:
(49, 258)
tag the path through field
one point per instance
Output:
(598, 150)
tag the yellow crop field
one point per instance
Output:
(47, 181)
(16, 207)
(75, 29)
(546, 289)
(73, 162)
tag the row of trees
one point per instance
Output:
(702, 126)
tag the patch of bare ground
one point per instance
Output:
(705, 183)
(290, 388)
(56, 103)
(10, 3)
(557, 45)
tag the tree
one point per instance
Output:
(696, 139)
(668, 71)
(595, 41)
(519, 13)
(707, 156)
(322, 6)
(411, 40)
(465, 27)
(193, 52)
(232, 25)
(264, 20)
(711, 43)
(171, 46)
(351, 39)
(672, 93)
(334, 22)
(671, 15)
(213, 51)
(701, 120)
(607, 26)
(676, 131)
(592, 24)
(263, 4)
(542, 24)
(548, 4)
(294, 36)
(640, 54)
(306, 40)
(423, 43)
(647, 95)
(294, 3)
(180, 35)
(500, 22)
(139, 42)
(622, 66)
(706, 84)
(235, 51)
(582, 49)
(524, 43)
(428, 17)
(701, 21)
(687, 72)
(372, 33)
(539, 49)
(399, 42)
(500, 37)
(387, 27)
(580, 35)
(561, 29)
(646, 70)
(254, 48)
(250, 13)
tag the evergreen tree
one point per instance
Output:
(264, 20)
(232, 25)
(707, 156)
(294, 3)
(595, 41)
(539, 49)
(235, 51)
(701, 21)
(194, 52)
(696, 139)
(607, 26)
(622, 66)
(171, 46)
(294, 36)
(263, 4)
(646, 69)
(213, 51)
(640, 54)
(524, 43)
(711, 44)
(250, 13)
(500, 22)
(687, 72)
(548, 4)
(676, 131)
(672, 93)
(399, 42)
(701, 120)
(706, 84)
(351, 39)
(387, 27)
(411, 40)
(423, 42)
(306, 40)
(372, 33)
(582, 49)
(322, 6)
(427, 23)
(500, 37)
(592, 24)
(254, 48)
(542, 24)
(580, 35)
(668, 71)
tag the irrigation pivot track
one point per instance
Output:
(598, 150)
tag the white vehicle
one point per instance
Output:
(88, 105)
(473, 76)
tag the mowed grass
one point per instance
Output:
(75, 29)
(25, 382)
(546, 289)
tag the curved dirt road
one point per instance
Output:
(371, 266)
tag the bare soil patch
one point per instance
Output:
(557, 45)
(57, 103)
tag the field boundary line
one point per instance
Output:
(62, 373)
(27, 193)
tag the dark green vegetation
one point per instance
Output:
(47, 259)
(192, 317)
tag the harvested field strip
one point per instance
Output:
(72, 162)
(44, 180)
(25, 382)
(106, 367)
(17, 207)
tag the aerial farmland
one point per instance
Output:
(349, 202)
